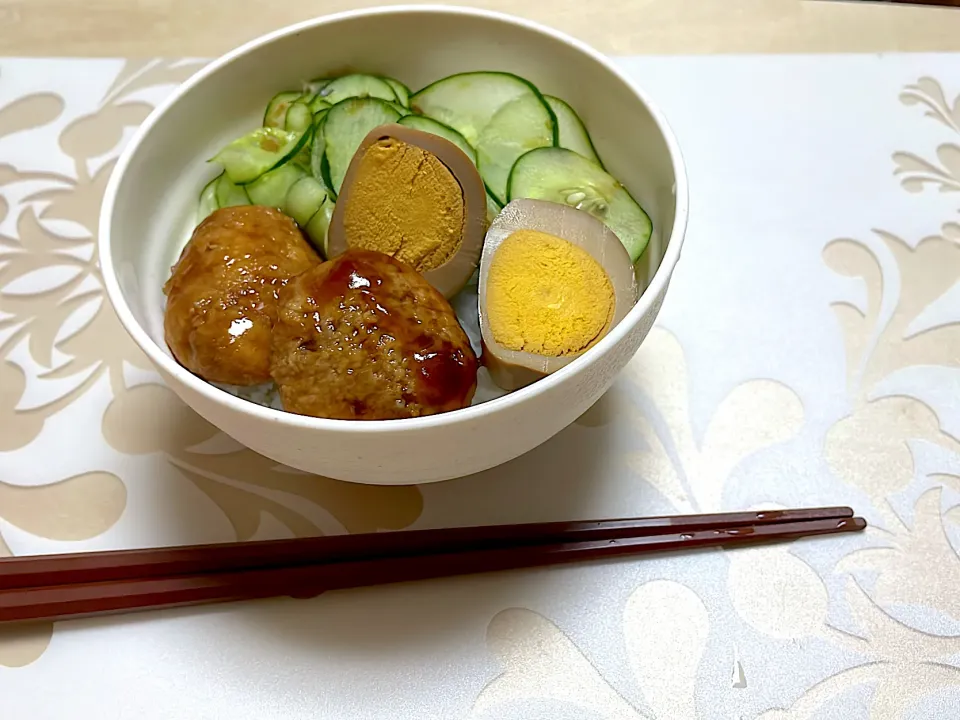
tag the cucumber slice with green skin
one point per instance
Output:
(434, 127)
(520, 126)
(271, 189)
(346, 125)
(357, 86)
(318, 104)
(228, 194)
(468, 101)
(208, 200)
(325, 176)
(318, 148)
(248, 157)
(400, 90)
(563, 176)
(276, 113)
(400, 109)
(302, 157)
(304, 198)
(572, 133)
(317, 228)
(299, 117)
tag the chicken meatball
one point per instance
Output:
(222, 294)
(365, 337)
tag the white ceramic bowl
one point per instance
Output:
(150, 204)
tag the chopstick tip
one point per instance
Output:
(855, 524)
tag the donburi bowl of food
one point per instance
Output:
(396, 245)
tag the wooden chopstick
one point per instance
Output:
(84, 598)
(35, 571)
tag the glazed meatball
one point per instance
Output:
(365, 337)
(222, 295)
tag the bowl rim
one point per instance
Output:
(169, 365)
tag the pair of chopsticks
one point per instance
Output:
(53, 587)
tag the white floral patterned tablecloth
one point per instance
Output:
(808, 353)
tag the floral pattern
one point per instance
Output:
(59, 338)
(883, 607)
(665, 628)
(773, 590)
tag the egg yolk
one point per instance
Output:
(406, 203)
(547, 296)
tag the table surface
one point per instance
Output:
(205, 28)
(855, 621)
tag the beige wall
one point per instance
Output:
(208, 27)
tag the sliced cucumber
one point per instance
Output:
(302, 156)
(400, 90)
(271, 189)
(318, 104)
(435, 127)
(299, 117)
(317, 227)
(304, 198)
(276, 113)
(403, 111)
(208, 200)
(319, 147)
(518, 127)
(247, 158)
(468, 101)
(229, 194)
(572, 133)
(346, 124)
(325, 176)
(357, 86)
(563, 176)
